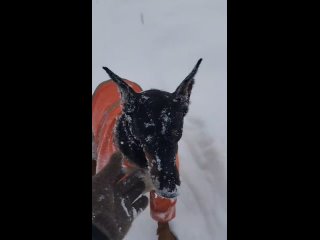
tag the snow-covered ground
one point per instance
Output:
(156, 44)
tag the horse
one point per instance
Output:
(145, 126)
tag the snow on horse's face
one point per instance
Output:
(155, 123)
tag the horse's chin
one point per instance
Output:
(150, 186)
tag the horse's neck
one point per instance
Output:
(127, 143)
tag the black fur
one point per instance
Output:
(149, 129)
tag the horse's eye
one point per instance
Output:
(176, 134)
(184, 110)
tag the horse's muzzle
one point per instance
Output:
(164, 176)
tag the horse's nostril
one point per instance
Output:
(165, 187)
(167, 193)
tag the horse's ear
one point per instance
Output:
(128, 95)
(183, 91)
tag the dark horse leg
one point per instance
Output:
(164, 232)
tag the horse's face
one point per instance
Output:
(157, 124)
(156, 119)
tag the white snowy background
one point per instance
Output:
(156, 43)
